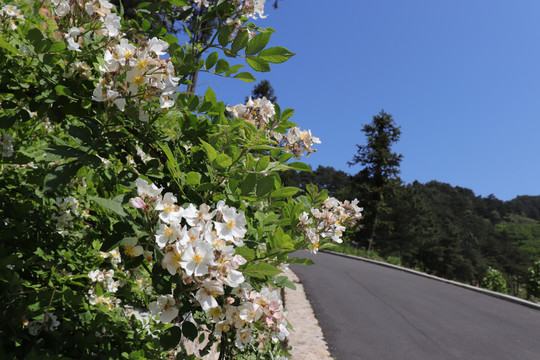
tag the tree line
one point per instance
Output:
(434, 227)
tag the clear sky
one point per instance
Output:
(461, 78)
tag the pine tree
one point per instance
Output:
(381, 169)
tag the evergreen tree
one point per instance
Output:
(381, 168)
(263, 89)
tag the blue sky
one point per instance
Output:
(461, 78)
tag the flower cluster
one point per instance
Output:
(297, 141)
(199, 243)
(260, 112)
(99, 10)
(105, 278)
(148, 77)
(49, 322)
(10, 15)
(328, 222)
(7, 144)
(67, 207)
(264, 307)
(246, 8)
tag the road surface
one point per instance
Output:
(368, 311)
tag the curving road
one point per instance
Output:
(368, 311)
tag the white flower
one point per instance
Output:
(208, 292)
(243, 337)
(167, 234)
(112, 25)
(233, 228)
(197, 257)
(62, 8)
(145, 189)
(170, 213)
(130, 247)
(165, 307)
(157, 46)
(72, 45)
(173, 258)
(250, 312)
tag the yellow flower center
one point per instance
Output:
(128, 250)
(168, 208)
(230, 224)
(197, 258)
(168, 231)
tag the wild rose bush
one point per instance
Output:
(133, 213)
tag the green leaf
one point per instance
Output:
(60, 175)
(223, 161)
(171, 39)
(265, 185)
(300, 261)
(7, 121)
(283, 281)
(275, 55)
(111, 205)
(210, 151)
(145, 25)
(245, 76)
(262, 164)
(240, 41)
(234, 69)
(287, 113)
(5, 45)
(261, 271)
(222, 66)
(57, 47)
(210, 96)
(248, 184)
(258, 43)
(284, 192)
(193, 178)
(211, 60)
(258, 64)
(245, 252)
(193, 102)
(63, 90)
(299, 166)
(170, 338)
(224, 35)
(189, 330)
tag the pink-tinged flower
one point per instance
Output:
(197, 258)
(137, 202)
(206, 296)
(165, 307)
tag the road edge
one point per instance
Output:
(455, 283)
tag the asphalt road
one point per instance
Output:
(368, 311)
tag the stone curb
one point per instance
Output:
(455, 283)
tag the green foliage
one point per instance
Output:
(494, 281)
(81, 266)
(533, 280)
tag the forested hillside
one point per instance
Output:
(442, 229)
